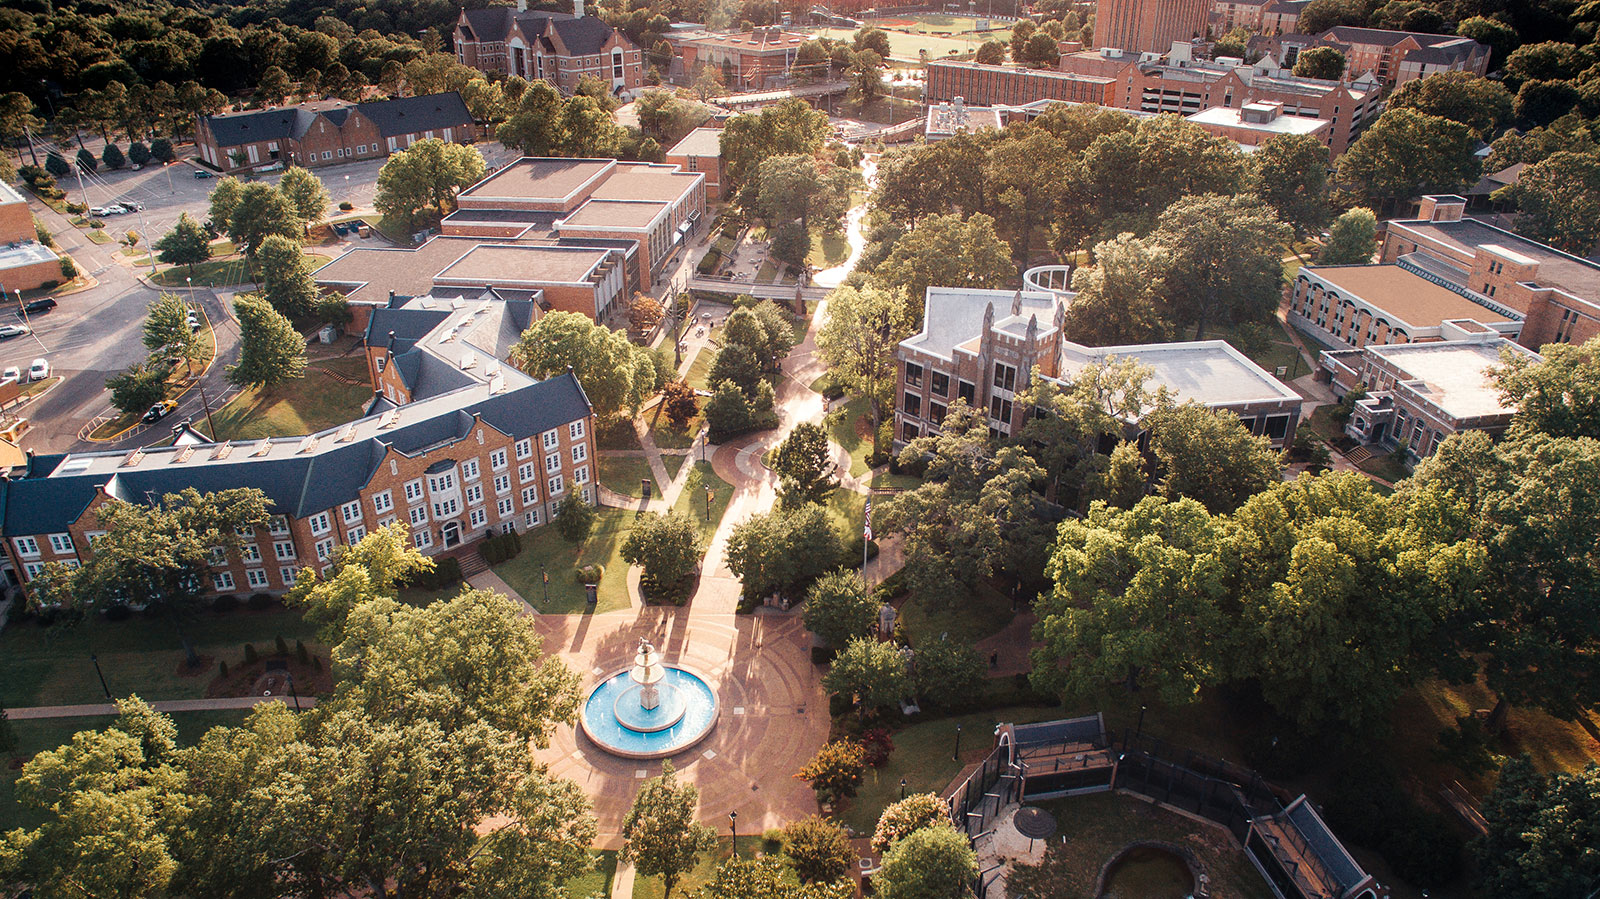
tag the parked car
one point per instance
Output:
(200, 174)
(160, 410)
(194, 320)
(41, 305)
(130, 206)
(100, 211)
(11, 375)
(39, 370)
(9, 331)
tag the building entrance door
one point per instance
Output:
(452, 534)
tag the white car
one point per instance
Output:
(9, 331)
(39, 370)
(194, 320)
(100, 211)
(11, 375)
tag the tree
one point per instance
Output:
(1222, 260)
(1477, 102)
(186, 244)
(419, 184)
(1290, 173)
(138, 153)
(729, 411)
(708, 83)
(574, 518)
(1137, 599)
(158, 553)
(680, 402)
(1124, 481)
(112, 157)
(274, 86)
(873, 673)
(271, 351)
(260, 212)
(663, 838)
(818, 849)
(1118, 299)
(1326, 63)
(736, 364)
(1025, 174)
(535, 128)
(161, 150)
(804, 464)
(1207, 455)
(1353, 239)
(790, 128)
(791, 243)
(166, 334)
(931, 863)
(644, 313)
(991, 53)
(1500, 38)
(1020, 33)
(836, 770)
(874, 39)
(946, 251)
(911, 814)
(1557, 396)
(866, 76)
(140, 387)
(56, 166)
(1541, 833)
(798, 188)
(1557, 201)
(667, 547)
(224, 199)
(286, 280)
(1406, 152)
(615, 374)
(589, 129)
(86, 161)
(305, 194)
(945, 672)
(783, 551)
(765, 878)
(1041, 51)
(839, 608)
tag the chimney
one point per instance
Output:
(522, 5)
(390, 346)
(577, 8)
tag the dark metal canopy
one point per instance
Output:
(1035, 823)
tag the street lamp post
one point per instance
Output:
(902, 788)
(545, 571)
(296, 696)
(709, 491)
(100, 674)
(733, 823)
(957, 756)
(1139, 731)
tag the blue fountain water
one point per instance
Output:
(680, 690)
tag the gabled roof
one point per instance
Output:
(489, 25)
(278, 123)
(410, 115)
(582, 37)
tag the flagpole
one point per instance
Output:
(866, 538)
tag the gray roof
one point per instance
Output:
(1327, 847)
(489, 25)
(425, 374)
(583, 37)
(411, 115)
(279, 123)
(408, 324)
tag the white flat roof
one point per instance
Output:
(1282, 124)
(1453, 375)
(8, 194)
(26, 252)
(1206, 371)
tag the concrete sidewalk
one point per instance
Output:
(92, 710)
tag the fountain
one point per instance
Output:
(650, 710)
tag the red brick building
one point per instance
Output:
(25, 263)
(758, 59)
(330, 131)
(553, 47)
(984, 85)
(1396, 57)
(1149, 26)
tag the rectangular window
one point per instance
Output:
(968, 391)
(355, 535)
(526, 472)
(26, 546)
(497, 460)
(256, 577)
(936, 413)
(446, 509)
(61, 543)
(551, 440)
(1000, 410)
(443, 482)
(525, 448)
(284, 549)
(940, 382)
(278, 526)
(324, 549)
(1277, 426)
(502, 483)
(413, 490)
(351, 511)
(581, 476)
(552, 463)
(557, 486)
(474, 494)
(913, 374)
(250, 552)
(1005, 376)
(423, 539)
(504, 507)
(477, 518)
(419, 515)
(382, 502)
(913, 405)
(32, 569)
(531, 518)
(530, 495)
(908, 432)
(289, 575)
(580, 452)
(320, 523)
(469, 470)
(222, 580)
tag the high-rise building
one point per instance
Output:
(1149, 26)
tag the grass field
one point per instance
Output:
(845, 427)
(692, 501)
(225, 272)
(905, 46)
(598, 881)
(51, 666)
(545, 549)
(302, 406)
(750, 846)
(622, 474)
(700, 368)
(982, 615)
(661, 430)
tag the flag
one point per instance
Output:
(866, 531)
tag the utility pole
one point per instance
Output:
(206, 405)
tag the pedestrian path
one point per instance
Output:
(97, 709)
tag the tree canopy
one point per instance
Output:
(615, 374)
(419, 184)
(271, 351)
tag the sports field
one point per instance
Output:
(905, 45)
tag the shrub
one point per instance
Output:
(138, 153)
(574, 518)
(161, 149)
(51, 284)
(500, 548)
(97, 224)
(77, 208)
(300, 652)
(222, 668)
(346, 205)
(590, 574)
(68, 269)
(227, 602)
(113, 157)
(260, 602)
(250, 656)
(280, 645)
(446, 572)
(878, 744)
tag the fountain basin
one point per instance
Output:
(687, 712)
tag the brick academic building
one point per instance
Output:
(330, 131)
(550, 46)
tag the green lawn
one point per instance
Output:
(768, 272)
(545, 549)
(673, 462)
(1096, 827)
(846, 427)
(622, 474)
(664, 434)
(906, 46)
(598, 881)
(692, 501)
(225, 272)
(750, 846)
(51, 666)
(40, 734)
(98, 235)
(700, 368)
(302, 406)
(980, 616)
(847, 509)
(924, 755)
